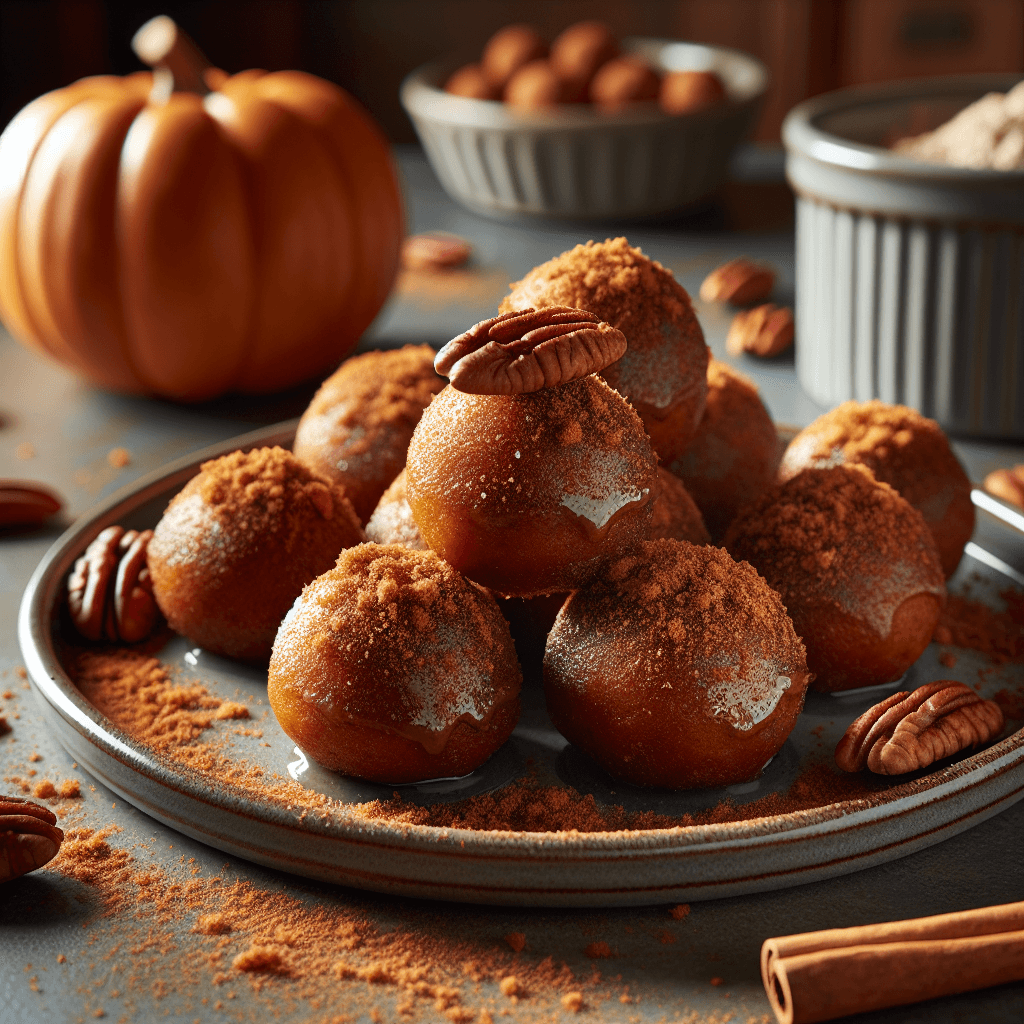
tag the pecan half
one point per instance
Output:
(434, 251)
(908, 731)
(110, 593)
(740, 281)
(1007, 484)
(762, 331)
(529, 349)
(29, 837)
(23, 503)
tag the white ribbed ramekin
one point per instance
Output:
(909, 275)
(578, 162)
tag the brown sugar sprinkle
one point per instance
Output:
(264, 491)
(666, 356)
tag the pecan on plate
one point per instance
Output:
(529, 349)
(908, 731)
(762, 331)
(29, 837)
(24, 503)
(110, 593)
(740, 281)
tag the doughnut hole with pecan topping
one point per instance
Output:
(663, 372)
(678, 668)
(394, 668)
(239, 542)
(529, 494)
(855, 565)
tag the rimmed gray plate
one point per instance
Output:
(552, 869)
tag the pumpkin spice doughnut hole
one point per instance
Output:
(675, 514)
(508, 50)
(392, 521)
(903, 449)
(580, 50)
(239, 542)
(663, 373)
(358, 425)
(733, 458)
(856, 567)
(677, 668)
(528, 494)
(394, 668)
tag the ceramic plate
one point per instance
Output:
(568, 869)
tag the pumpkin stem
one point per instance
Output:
(177, 63)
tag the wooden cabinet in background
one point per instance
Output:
(368, 46)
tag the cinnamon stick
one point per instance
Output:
(818, 976)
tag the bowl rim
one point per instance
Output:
(802, 136)
(422, 96)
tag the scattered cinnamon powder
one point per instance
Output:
(680, 911)
(573, 1001)
(4, 727)
(598, 951)
(516, 940)
(972, 624)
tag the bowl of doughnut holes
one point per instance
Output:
(584, 126)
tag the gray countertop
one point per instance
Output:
(66, 956)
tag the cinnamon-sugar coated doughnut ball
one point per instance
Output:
(675, 514)
(471, 82)
(528, 494)
(678, 667)
(683, 92)
(663, 374)
(733, 458)
(581, 49)
(856, 567)
(392, 521)
(622, 81)
(358, 425)
(903, 449)
(508, 50)
(239, 542)
(392, 667)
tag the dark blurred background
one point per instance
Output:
(368, 46)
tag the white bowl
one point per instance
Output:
(909, 275)
(579, 162)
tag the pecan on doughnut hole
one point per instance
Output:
(529, 349)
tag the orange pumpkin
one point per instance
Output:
(183, 245)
